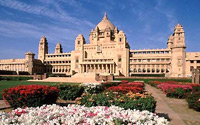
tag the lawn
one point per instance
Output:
(149, 79)
(8, 84)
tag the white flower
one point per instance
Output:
(76, 114)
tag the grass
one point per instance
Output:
(9, 84)
(149, 79)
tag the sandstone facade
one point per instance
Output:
(108, 52)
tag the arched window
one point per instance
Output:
(120, 39)
(85, 54)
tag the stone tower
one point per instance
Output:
(170, 42)
(58, 48)
(43, 48)
(29, 62)
(79, 42)
(78, 54)
(178, 52)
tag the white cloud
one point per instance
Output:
(56, 12)
(24, 30)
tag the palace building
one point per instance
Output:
(108, 52)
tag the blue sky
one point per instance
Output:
(147, 23)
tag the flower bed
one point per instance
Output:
(30, 95)
(127, 101)
(134, 87)
(75, 114)
(172, 87)
(155, 83)
(176, 89)
(133, 84)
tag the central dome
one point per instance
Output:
(105, 23)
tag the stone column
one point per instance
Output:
(95, 68)
(92, 68)
(98, 68)
(113, 68)
(106, 66)
(197, 76)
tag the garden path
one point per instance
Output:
(3, 105)
(174, 109)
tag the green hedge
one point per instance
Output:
(57, 75)
(148, 75)
(15, 78)
(193, 100)
(70, 92)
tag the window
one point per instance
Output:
(191, 61)
(77, 60)
(119, 58)
(167, 60)
(78, 42)
(198, 61)
(166, 51)
(85, 54)
(120, 39)
(98, 48)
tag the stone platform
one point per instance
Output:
(77, 78)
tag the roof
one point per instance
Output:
(105, 23)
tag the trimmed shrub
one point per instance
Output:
(193, 100)
(148, 75)
(30, 95)
(70, 92)
(15, 78)
(138, 102)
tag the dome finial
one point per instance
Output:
(105, 16)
